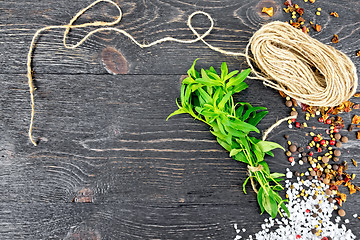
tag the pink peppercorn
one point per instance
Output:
(311, 153)
(298, 236)
(291, 159)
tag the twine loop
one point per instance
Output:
(285, 56)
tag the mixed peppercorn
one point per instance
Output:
(322, 152)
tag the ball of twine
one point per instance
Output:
(305, 69)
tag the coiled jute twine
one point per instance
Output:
(281, 56)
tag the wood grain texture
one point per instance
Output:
(108, 165)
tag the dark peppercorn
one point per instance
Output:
(335, 167)
(292, 148)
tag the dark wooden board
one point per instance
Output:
(108, 165)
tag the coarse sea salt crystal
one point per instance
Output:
(302, 222)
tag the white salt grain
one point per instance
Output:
(301, 222)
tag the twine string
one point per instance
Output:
(285, 56)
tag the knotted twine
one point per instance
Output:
(285, 56)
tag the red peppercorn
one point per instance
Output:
(324, 238)
(291, 159)
(293, 120)
(315, 169)
(297, 124)
(316, 139)
(307, 210)
(311, 153)
(319, 150)
(298, 237)
(328, 121)
(323, 142)
(336, 130)
(321, 119)
(332, 142)
(308, 147)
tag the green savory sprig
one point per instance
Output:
(208, 97)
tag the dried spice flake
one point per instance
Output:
(358, 53)
(335, 14)
(357, 94)
(355, 119)
(358, 135)
(317, 27)
(269, 11)
(354, 162)
(335, 39)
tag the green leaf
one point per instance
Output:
(224, 70)
(239, 87)
(239, 78)
(224, 100)
(234, 132)
(269, 203)
(241, 157)
(214, 76)
(192, 72)
(224, 144)
(209, 83)
(267, 146)
(260, 199)
(179, 111)
(205, 95)
(244, 184)
(241, 125)
(265, 167)
(270, 153)
(257, 118)
(231, 75)
(277, 175)
(188, 80)
(211, 69)
(239, 111)
(233, 152)
(252, 110)
(282, 203)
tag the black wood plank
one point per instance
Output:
(148, 21)
(108, 165)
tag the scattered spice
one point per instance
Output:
(269, 11)
(341, 212)
(317, 27)
(354, 162)
(358, 53)
(355, 119)
(335, 39)
(335, 14)
(358, 135)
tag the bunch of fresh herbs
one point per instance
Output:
(208, 97)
